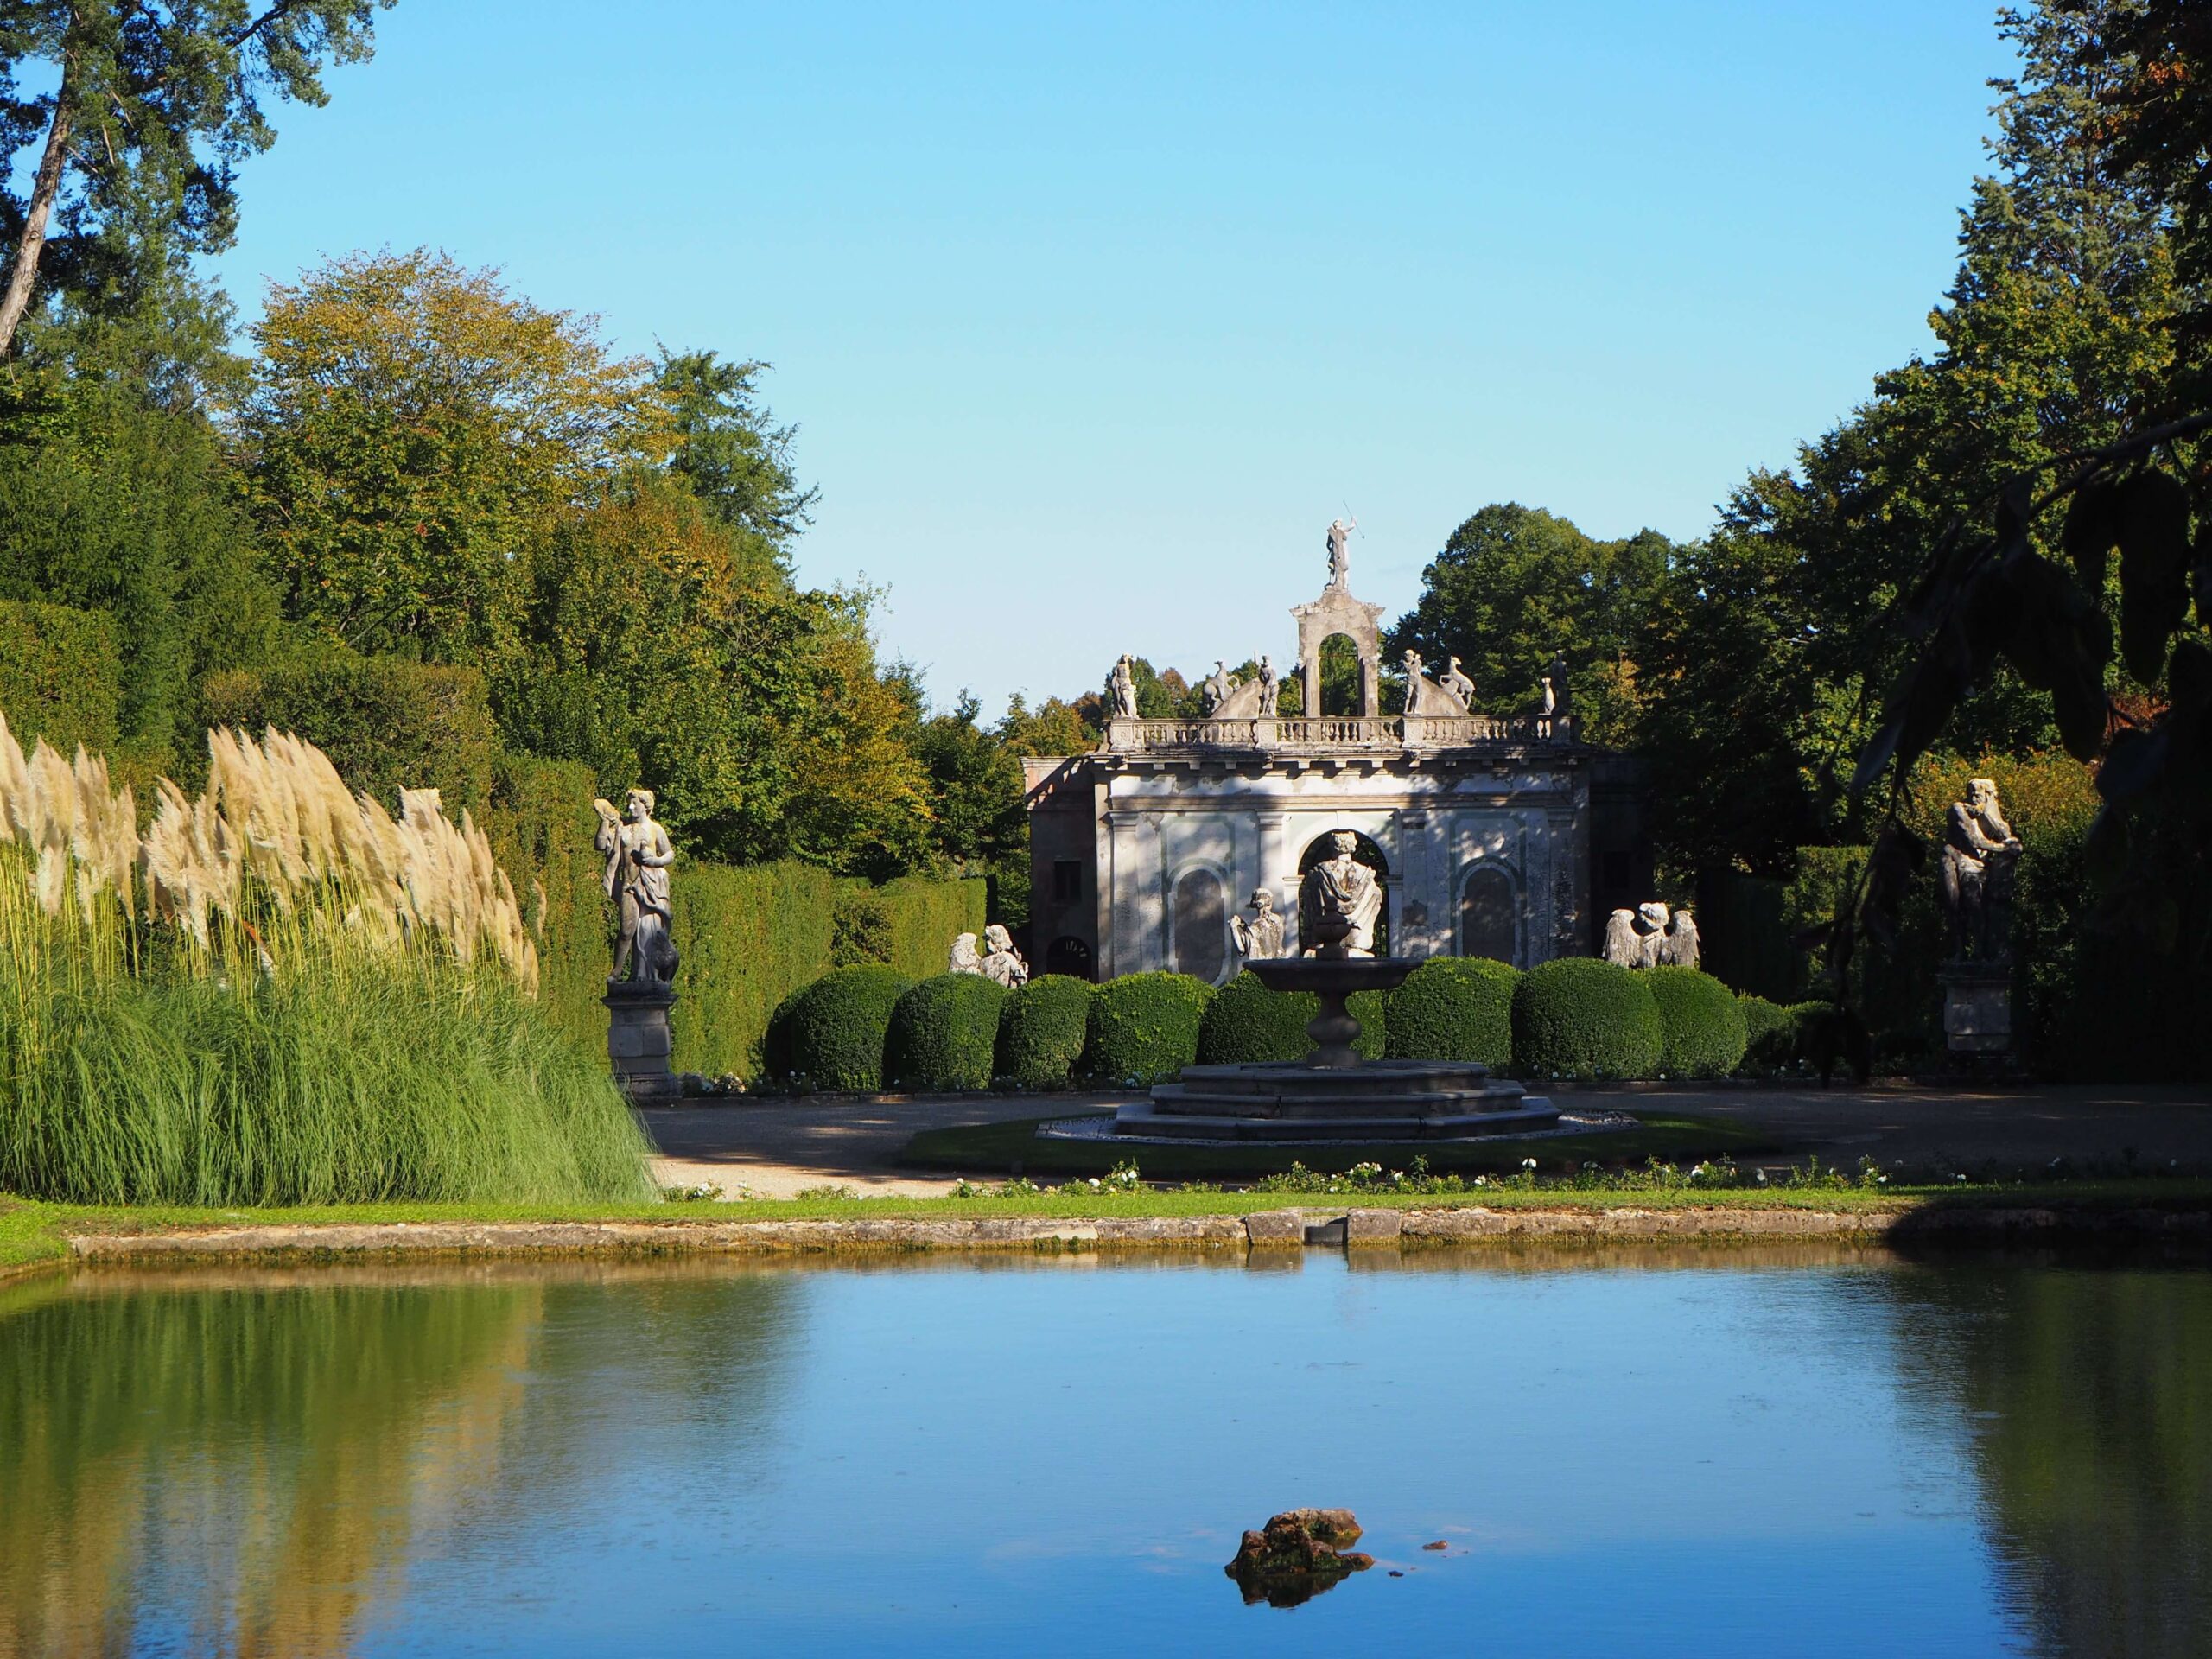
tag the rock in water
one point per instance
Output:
(1297, 1556)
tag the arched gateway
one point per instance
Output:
(1149, 850)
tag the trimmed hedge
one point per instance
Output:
(837, 1025)
(1579, 1017)
(746, 937)
(860, 929)
(1245, 1024)
(540, 824)
(1768, 1044)
(1144, 1027)
(1041, 1031)
(926, 916)
(386, 724)
(1454, 1008)
(945, 1033)
(1704, 1030)
(60, 675)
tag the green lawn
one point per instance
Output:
(993, 1150)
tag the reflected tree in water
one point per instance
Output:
(257, 1462)
(2086, 1397)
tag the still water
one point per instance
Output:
(1704, 1452)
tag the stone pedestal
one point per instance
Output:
(1977, 1008)
(638, 1042)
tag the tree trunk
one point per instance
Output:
(24, 272)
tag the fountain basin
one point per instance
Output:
(1333, 1094)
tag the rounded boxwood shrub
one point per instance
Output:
(834, 1028)
(1246, 1023)
(945, 1032)
(1454, 1008)
(1144, 1027)
(1703, 1027)
(1372, 1010)
(1767, 1045)
(1041, 1031)
(1579, 1017)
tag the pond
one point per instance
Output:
(1703, 1452)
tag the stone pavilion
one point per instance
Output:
(1498, 835)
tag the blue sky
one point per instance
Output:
(1093, 317)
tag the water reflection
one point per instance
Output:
(1654, 1449)
(249, 1462)
(2087, 1395)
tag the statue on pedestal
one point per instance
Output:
(1340, 531)
(1261, 937)
(1270, 688)
(1214, 689)
(1124, 687)
(1003, 963)
(1980, 855)
(637, 856)
(1455, 681)
(1347, 900)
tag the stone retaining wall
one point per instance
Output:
(1353, 1229)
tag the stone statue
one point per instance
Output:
(1346, 896)
(1124, 685)
(1680, 948)
(1270, 688)
(1563, 701)
(964, 957)
(1261, 937)
(1550, 704)
(1980, 853)
(1003, 964)
(1340, 531)
(637, 856)
(1214, 689)
(1650, 933)
(1459, 684)
(1415, 683)
(1622, 948)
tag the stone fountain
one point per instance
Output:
(1332, 1094)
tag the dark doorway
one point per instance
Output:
(1067, 955)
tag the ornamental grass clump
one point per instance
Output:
(278, 994)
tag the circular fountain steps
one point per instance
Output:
(1382, 1100)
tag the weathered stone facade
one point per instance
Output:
(1142, 850)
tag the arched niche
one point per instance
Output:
(1320, 850)
(1336, 612)
(1490, 914)
(1199, 921)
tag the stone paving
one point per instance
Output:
(775, 1148)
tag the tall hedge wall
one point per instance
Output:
(746, 937)
(540, 824)
(926, 916)
(60, 675)
(385, 723)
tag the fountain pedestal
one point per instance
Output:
(1333, 1094)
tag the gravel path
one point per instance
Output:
(778, 1147)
